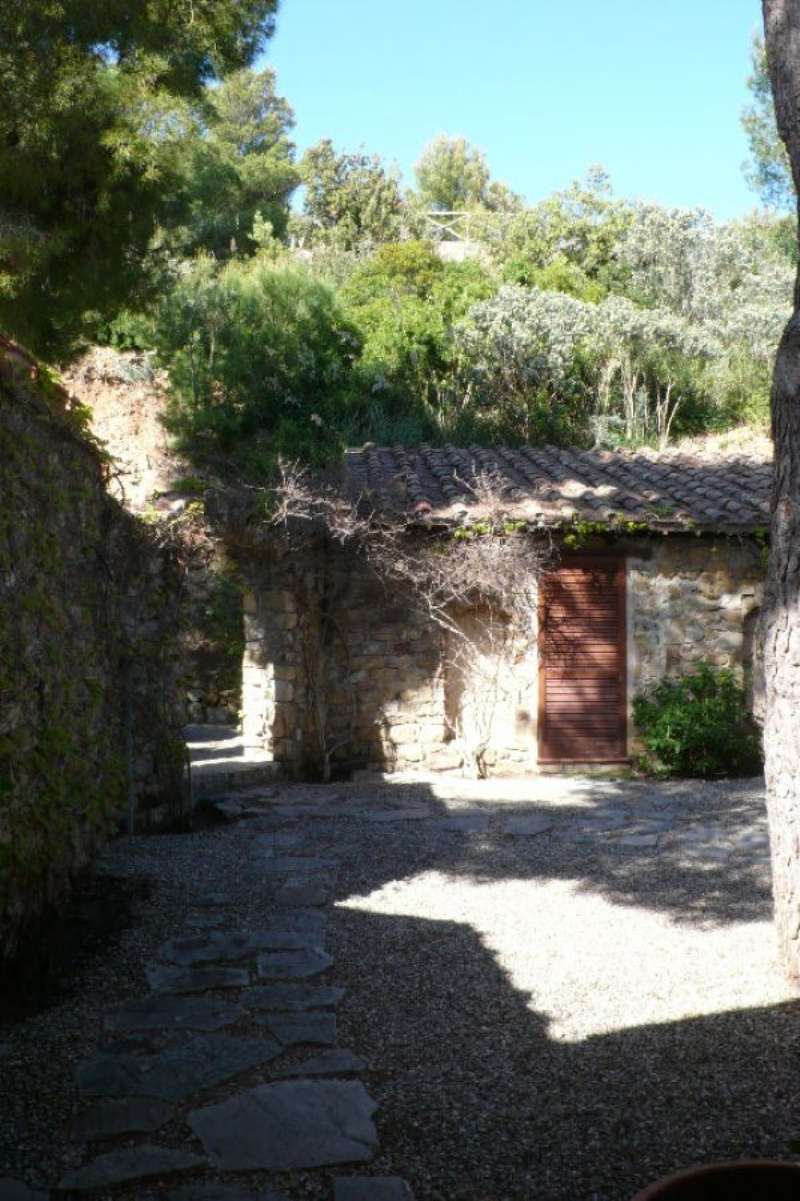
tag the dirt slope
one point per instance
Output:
(127, 395)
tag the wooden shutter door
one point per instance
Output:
(582, 662)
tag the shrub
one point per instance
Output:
(698, 725)
(404, 302)
(524, 364)
(259, 358)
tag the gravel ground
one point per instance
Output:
(560, 1017)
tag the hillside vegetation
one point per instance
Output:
(300, 304)
(583, 319)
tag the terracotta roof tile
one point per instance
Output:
(669, 490)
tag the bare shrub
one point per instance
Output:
(486, 566)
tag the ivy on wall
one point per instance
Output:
(84, 652)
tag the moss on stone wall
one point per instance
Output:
(87, 714)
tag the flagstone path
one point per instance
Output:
(227, 1074)
(176, 1044)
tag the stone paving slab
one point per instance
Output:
(604, 823)
(650, 825)
(298, 809)
(234, 811)
(283, 840)
(527, 827)
(395, 815)
(301, 921)
(299, 865)
(228, 946)
(211, 899)
(177, 1072)
(169, 1012)
(133, 1115)
(211, 1190)
(291, 1124)
(338, 1062)
(750, 838)
(637, 842)
(462, 823)
(293, 965)
(317, 1028)
(308, 891)
(702, 854)
(17, 1190)
(128, 1165)
(275, 998)
(132, 1044)
(371, 1188)
(206, 921)
(166, 978)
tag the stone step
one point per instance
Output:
(212, 779)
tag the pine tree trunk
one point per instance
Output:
(782, 652)
(782, 604)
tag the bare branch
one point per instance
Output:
(487, 567)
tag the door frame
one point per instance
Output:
(621, 572)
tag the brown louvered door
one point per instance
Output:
(582, 669)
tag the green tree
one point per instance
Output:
(349, 199)
(567, 242)
(405, 303)
(240, 162)
(259, 358)
(768, 171)
(89, 125)
(451, 174)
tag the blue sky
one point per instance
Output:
(652, 89)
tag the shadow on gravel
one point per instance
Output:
(479, 1103)
(477, 1100)
(65, 944)
(692, 883)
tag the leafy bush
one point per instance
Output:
(129, 330)
(524, 366)
(699, 725)
(259, 358)
(404, 302)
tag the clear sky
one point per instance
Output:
(652, 89)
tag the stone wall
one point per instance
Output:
(127, 397)
(89, 717)
(328, 649)
(392, 692)
(691, 599)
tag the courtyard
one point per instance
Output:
(557, 988)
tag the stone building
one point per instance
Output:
(659, 563)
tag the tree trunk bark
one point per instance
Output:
(782, 603)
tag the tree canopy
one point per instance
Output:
(136, 197)
(238, 161)
(88, 127)
(349, 199)
(451, 174)
(768, 171)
